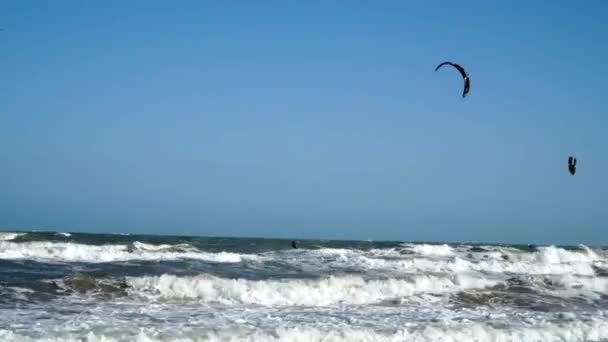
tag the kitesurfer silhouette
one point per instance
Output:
(572, 165)
(294, 244)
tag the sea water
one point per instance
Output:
(93, 287)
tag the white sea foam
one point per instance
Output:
(547, 260)
(555, 255)
(75, 252)
(309, 292)
(588, 287)
(575, 331)
(430, 250)
(591, 331)
(391, 261)
(328, 294)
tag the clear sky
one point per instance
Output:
(306, 119)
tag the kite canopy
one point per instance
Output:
(463, 73)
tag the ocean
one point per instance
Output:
(107, 288)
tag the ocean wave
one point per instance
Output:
(389, 262)
(568, 286)
(555, 255)
(6, 236)
(309, 292)
(76, 252)
(498, 260)
(430, 250)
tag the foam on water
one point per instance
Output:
(240, 291)
(592, 288)
(75, 252)
(576, 331)
(549, 260)
(412, 259)
(596, 330)
(311, 292)
(430, 250)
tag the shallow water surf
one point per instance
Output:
(93, 287)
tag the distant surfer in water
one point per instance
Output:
(294, 244)
(572, 165)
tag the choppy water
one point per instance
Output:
(85, 287)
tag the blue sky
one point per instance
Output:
(306, 119)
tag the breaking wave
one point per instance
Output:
(410, 259)
(309, 292)
(76, 252)
(432, 259)
(10, 236)
(111, 288)
(430, 250)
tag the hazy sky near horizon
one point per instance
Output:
(306, 119)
